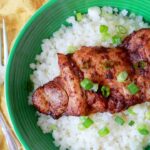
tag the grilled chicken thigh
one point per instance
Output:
(102, 66)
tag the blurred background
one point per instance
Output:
(15, 13)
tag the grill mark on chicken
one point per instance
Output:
(74, 67)
(77, 100)
(100, 65)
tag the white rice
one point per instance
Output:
(67, 135)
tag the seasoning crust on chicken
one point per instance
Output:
(98, 79)
(137, 45)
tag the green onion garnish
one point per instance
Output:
(119, 120)
(87, 122)
(122, 76)
(116, 39)
(105, 36)
(89, 85)
(71, 49)
(95, 87)
(86, 84)
(130, 111)
(131, 123)
(133, 88)
(147, 115)
(121, 29)
(103, 29)
(79, 17)
(147, 147)
(105, 91)
(143, 130)
(104, 131)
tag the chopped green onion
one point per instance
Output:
(105, 91)
(103, 29)
(89, 85)
(130, 111)
(147, 147)
(119, 120)
(95, 87)
(147, 115)
(71, 49)
(104, 131)
(105, 36)
(133, 88)
(79, 17)
(143, 130)
(131, 123)
(122, 76)
(121, 29)
(116, 39)
(87, 122)
(86, 84)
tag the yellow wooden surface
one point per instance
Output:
(15, 13)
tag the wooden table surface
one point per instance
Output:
(15, 13)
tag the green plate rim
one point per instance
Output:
(11, 56)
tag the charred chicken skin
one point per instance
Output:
(65, 95)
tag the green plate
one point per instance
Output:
(43, 23)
